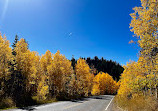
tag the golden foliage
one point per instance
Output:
(104, 84)
(5, 58)
(59, 73)
(84, 77)
(139, 80)
(47, 76)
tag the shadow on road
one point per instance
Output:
(81, 100)
(29, 108)
(101, 97)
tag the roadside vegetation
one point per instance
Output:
(26, 78)
(139, 81)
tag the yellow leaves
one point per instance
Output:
(84, 77)
(21, 46)
(81, 64)
(27, 63)
(53, 74)
(129, 76)
(152, 80)
(5, 57)
(95, 89)
(59, 72)
(137, 77)
(42, 90)
(144, 24)
(45, 61)
(141, 76)
(50, 75)
(72, 86)
(22, 57)
(104, 84)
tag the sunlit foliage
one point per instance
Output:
(26, 78)
(84, 77)
(104, 84)
(140, 79)
(5, 57)
(59, 73)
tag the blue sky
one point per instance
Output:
(84, 28)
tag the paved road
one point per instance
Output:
(95, 103)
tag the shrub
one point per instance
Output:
(7, 102)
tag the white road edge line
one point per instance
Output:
(109, 103)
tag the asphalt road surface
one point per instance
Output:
(94, 103)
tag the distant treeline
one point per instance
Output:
(108, 66)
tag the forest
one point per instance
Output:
(26, 78)
(139, 81)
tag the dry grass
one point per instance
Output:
(50, 100)
(7, 102)
(138, 103)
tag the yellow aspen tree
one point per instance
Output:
(96, 84)
(5, 57)
(22, 56)
(45, 62)
(59, 73)
(104, 84)
(83, 77)
(27, 73)
(144, 24)
(42, 89)
(43, 77)
(110, 84)
(25, 63)
(35, 72)
(90, 82)
(115, 87)
(72, 87)
(132, 80)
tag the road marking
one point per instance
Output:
(109, 103)
(74, 105)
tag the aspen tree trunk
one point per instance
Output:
(145, 91)
(154, 80)
(156, 92)
(150, 91)
(152, 64)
